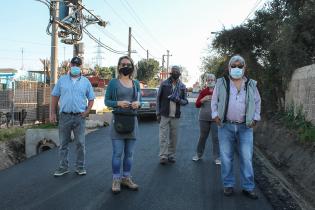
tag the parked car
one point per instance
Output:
(148, 107)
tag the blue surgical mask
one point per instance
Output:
(75, 70)
(236, 73)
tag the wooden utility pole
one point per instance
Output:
(54, 47)
(129, 43)
(167, 61)
(147, 55)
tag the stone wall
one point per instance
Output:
(301, 91)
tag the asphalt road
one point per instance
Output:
(185, 185)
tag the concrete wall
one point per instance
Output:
(301, 91)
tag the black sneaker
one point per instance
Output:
(163, 161)
(228, 191)
(61, 171)
(251, 194)
(81, 171)
(171, 160)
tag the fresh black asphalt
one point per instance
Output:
(185, 185)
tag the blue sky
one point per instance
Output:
(182, 26)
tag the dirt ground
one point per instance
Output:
(284, 167)
(12, 152)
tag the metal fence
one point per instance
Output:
(26, 101)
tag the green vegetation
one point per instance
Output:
(11, 133)
(147, 69)
(45, 126)
(105, 72)
(279, 39)
(296, 120)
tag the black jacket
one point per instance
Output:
(163, 102)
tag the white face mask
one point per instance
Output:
(236, 73)
(211, 84)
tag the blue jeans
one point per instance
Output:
(240, 134)
(120, 146)
(68, 123)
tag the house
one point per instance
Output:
(6, 77)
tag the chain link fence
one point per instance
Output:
(24, 102)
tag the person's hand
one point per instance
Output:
(205, 98)
(217, 121)
(158, 118)
(123, 104)
(135, 104)
(53, 118)
(85, 114)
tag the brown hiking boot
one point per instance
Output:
(116, 186)
(127, 182)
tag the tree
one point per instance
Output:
(104, 72)
(147, 69)
(279, 39)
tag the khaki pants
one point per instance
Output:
(168, 136)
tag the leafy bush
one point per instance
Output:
(10, 133)
(296, 120)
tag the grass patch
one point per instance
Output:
(11, 133)
(45, 126)
(296, 120)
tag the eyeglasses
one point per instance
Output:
(237, 66)
(126, 64)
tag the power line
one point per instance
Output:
(102, 44)
(112, 37)
(116, 13)
(139, 20)
(138, 43)
(142, 23)
(252, 10)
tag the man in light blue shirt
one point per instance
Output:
(72, 91)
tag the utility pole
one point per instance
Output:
(129, 43)
(22, 67)
(54, 47)
(163, 61)
(147, 55)
(168, 60)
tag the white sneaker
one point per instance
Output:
(196, 158)
(217, 161)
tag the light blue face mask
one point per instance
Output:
(75, 70)
(236, 73)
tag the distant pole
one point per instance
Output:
(163, 61)
(129, 43)
(167, 61)
(54, 47)
(147, 55)
(22, 67)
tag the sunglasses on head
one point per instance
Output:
(237, 66)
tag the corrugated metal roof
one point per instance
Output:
(7, 70)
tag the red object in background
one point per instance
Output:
(205, 92)
(97, 81)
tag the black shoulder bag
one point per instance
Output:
(124, 119)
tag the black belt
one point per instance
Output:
(234, 122)
(72, 113)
